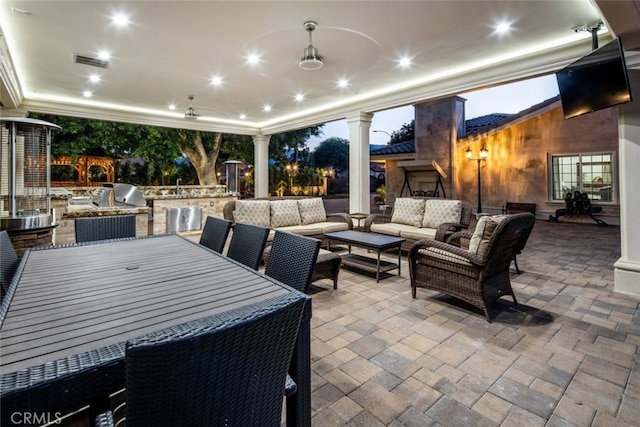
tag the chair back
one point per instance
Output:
(215, 233)
(228, 369)
(8, 262)
(104, 228)
(247, 244)
(505, 241)
(292, 259)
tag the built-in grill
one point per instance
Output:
(118, 196)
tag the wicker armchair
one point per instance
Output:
(292, 259)
(479, 278)
(9, 263)
(247, 244)
(227, 369)
(215, 232)
(104, 228)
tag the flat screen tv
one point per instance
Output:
(596, 81)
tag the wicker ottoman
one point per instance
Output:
(327, 266)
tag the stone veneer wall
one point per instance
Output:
(22, 240)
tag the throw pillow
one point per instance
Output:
(256, 212)
(479, 243)
(312, 211)
(438, 212)
(284, 213)
(408, 211)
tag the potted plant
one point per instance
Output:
(381, 198)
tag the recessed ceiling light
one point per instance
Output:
(404, 62)
(172, 106)
(503, 28)
(266, 108)
(87, 94)
(120, 19)
(342, 83)
(216, 80)
(253, 58)
(243, 116)
(94, 78)
(299, 97)
(104, 55)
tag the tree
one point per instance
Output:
(405, 133)
(332, 153)
(161, 147)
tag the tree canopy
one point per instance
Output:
(160, 147)
(332, 153)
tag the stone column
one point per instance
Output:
(627, 268)
(261, 166)
(359, 193)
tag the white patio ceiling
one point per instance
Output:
(172, 49)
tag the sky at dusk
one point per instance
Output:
(510, 98)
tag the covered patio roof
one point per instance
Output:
(172, 49)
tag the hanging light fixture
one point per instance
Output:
(310, 60)
(191, 113)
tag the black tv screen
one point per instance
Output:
(595, 81)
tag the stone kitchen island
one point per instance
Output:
(71, 203)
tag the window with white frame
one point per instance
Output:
(591, 173)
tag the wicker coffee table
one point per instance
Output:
(373, 241)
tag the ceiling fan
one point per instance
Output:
(191, 113)
(311, 59)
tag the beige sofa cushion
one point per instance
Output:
(284, 213)
(419, 233)
(312, 211)
(256, 212)
(316, 228)
(445, 260)
(391, 228)
(438, 212)
(408, 211)
(486, 225)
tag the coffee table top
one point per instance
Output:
(368, 240)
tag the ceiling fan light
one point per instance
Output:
(191, 113)
(310, 60)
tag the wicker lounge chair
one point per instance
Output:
(247, 244)
(9, 263)
(215, 233)
(292, 259)
(222, 370)
(104, 228)
(478, 276)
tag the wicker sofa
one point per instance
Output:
(418, 218)
(299, 215)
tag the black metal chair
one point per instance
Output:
(291, 260)
(228, 369)
(247, 244)
(215, 233)
(8, 264)
(104, 228)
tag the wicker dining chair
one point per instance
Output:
(292, 259)
(478, 277)
(228, 369)
(104, 228)
(8, 264)
(215, 233)
(247, 244)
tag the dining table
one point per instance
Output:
(70, 310)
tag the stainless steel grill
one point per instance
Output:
(118, 196)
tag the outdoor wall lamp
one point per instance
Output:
(483, 156)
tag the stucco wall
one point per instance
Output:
(516, 168)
